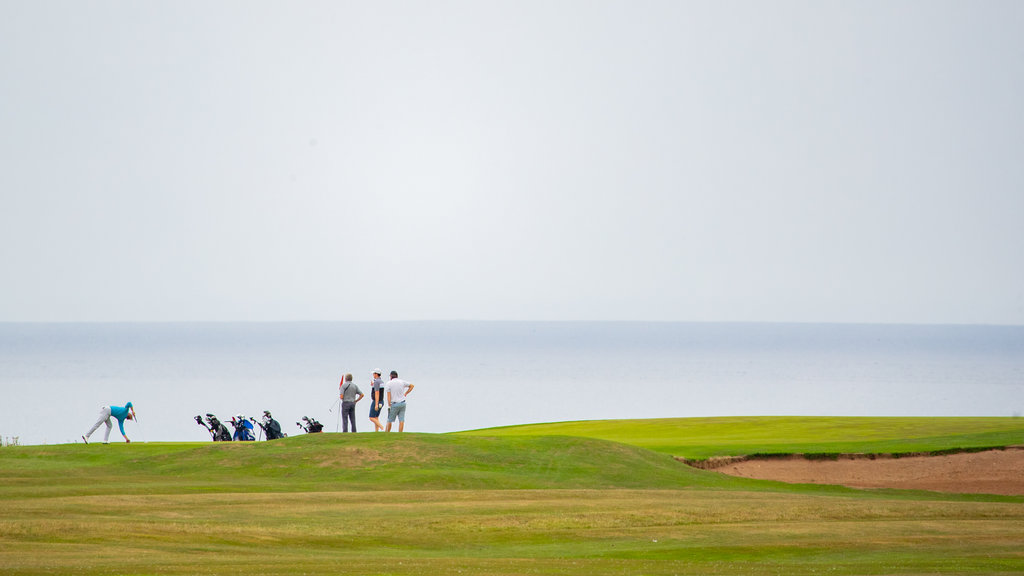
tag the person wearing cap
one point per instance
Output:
(397, 390)
(348, 402)
(376, 400)
(120, 412)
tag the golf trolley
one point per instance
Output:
(243, 429)
(271, 427)
(311, 426)
(218, 431)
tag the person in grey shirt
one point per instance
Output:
(349, 391)
(376, 400)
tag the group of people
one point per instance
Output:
(394, 392)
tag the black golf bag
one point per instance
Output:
(271, 427)
(218, 431)
(311, 426)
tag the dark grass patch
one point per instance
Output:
(718, 462)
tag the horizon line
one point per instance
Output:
(522, 321)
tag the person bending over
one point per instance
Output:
(120, 412)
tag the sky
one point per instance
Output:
(570, 160)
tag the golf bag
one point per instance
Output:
(218, 431)
(243, 429)
(311, 426)
(271, 427)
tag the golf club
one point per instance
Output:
(136, 418)
(331, 409)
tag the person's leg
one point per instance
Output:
(106, 433)
(104, 416)
(401, 417)
(344, 417)
(352, 416)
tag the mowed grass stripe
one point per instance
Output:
(505, 532)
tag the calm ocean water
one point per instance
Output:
(55, 377)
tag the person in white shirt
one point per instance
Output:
(397, 390)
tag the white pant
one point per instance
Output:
(104, 419)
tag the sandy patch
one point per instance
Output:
(989, 472)
(349, 457)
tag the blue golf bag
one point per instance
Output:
(243, 429)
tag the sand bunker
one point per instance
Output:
(989, 472)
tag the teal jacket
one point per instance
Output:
(120, 412)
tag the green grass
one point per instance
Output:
(327, 462)
(698, 438)
(467, 504)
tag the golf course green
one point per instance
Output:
(696, 438)
(574, 498)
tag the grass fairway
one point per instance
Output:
(463, 504)
(699, 438)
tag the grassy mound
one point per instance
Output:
(331, 462)
(699, 438)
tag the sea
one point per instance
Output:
(54, 378)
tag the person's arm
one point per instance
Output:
(120, 424)
(389, 398)
(360, 397)
(409, 389)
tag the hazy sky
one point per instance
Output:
(762, 161)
